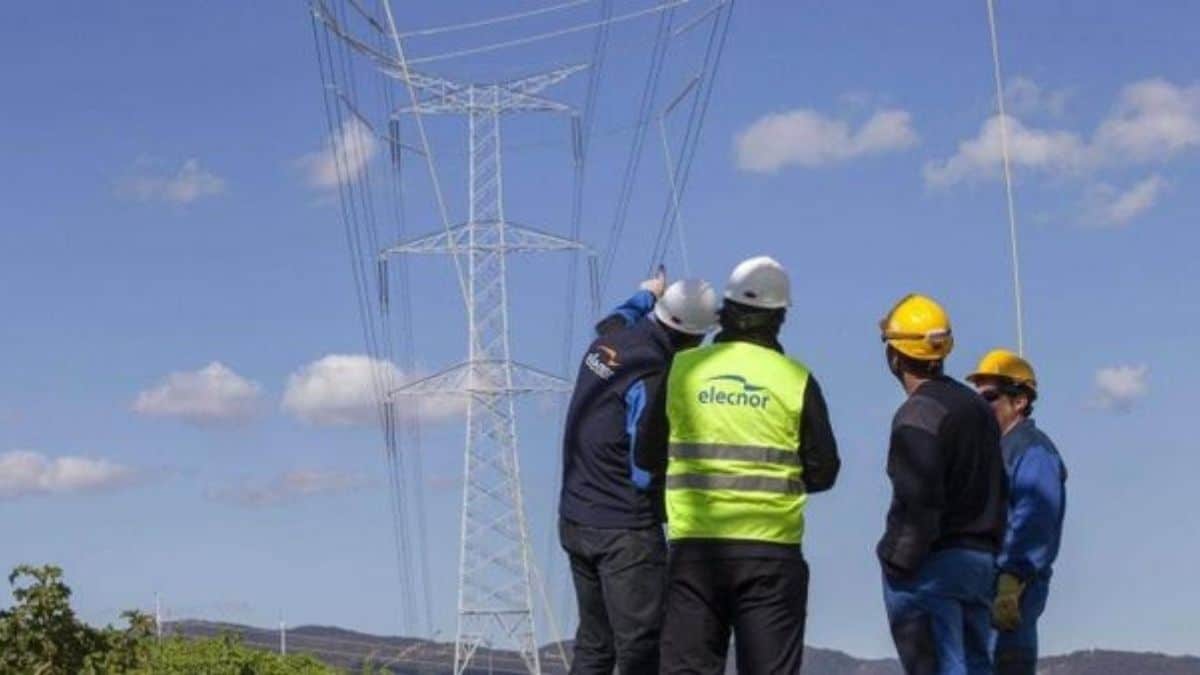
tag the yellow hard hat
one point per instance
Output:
(919, 328)
(1007, 365)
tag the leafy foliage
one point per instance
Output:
(40, 635)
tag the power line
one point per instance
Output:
(700, 104)
(581, 135)
(494, 20)
(625, 195)
(396, 445)
(1008, 187)
(676, 216)
(518, 42)
(426, 149)
(353, 198)
(380, 363)
(662, 240)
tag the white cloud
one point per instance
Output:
(1023, 96)
(24, 473)
(1118, 387)
(291, 486)
(982, 156)
(185, 186)
(1153, 121)
(1106, 205)
(340, 390)
(212, 395)
(807, 138)
(344, 157)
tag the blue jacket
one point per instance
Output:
(1037, 502)
(631, 311)
(604, 484)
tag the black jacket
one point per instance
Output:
(949, 489)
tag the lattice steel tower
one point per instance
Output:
(495, 600)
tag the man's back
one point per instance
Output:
(950, 488)
(603, 485)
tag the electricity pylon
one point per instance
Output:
(495, 599)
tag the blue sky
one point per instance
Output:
(163, 212)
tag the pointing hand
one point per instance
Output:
(656, 284)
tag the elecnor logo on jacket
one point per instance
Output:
(602, 361)
(751, 395)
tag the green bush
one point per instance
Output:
(40, 635)
(224, 656)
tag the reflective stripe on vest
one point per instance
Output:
(747, 453)
(701, 481)
(734, 471)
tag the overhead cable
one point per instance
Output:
(582, 128)
(1008, 183)
(517, 42)
(633, 160)
(329, 67)
(699, 110)
(426, 148)
(438, 30)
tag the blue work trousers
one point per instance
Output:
(940, 616)
(1016, 651)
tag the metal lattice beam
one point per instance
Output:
(495, 599)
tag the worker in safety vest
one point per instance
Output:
(1036, 506)
(750, 438)
(610, 507)
(949, 502)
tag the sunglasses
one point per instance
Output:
(991, 395)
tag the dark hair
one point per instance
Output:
(680, 340)
(917, 367)
(1013, 389)
(739, 318)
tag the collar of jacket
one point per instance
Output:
(659, 334)
(1022, 427)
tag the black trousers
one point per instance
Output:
(620, 582)
(763, 601)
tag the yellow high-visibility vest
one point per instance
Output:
(734, 471)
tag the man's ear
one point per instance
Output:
(893, 361)
(1022, 403)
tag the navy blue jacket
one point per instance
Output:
(1037, 502)
(604, 483)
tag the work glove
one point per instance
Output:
(656, 284)
(1006, 608)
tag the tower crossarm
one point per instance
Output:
(438, 91)
(517, 239)
(446, 97)
(521, 94)
(486, 377)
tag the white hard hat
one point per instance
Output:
(760, 282)
(689, 306)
